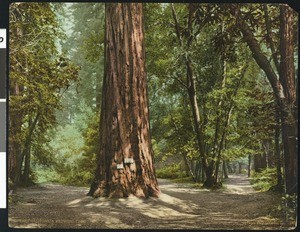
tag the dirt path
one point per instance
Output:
(237, 206)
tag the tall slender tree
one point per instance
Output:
(288, 104)
(282, 83)
(38, 71)
(125, 161)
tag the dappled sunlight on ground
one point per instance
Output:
(237, 206)
(109, 221)
(163, 207)
(78, 201)
(239, 185)
(30, 225)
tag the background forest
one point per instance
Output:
(228, 122)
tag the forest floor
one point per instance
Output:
(180, 206)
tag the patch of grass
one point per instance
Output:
(264, 180)
(197, 185)
(46, 175)
(187, 179)
(82, 179)
(171, 172)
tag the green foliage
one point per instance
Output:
(218, 92)
(90, 150)
(48, 43)
(288, 207)
(264, 180)
(236, 152)
(170, 172)
(184, 179)
(74, 150)
(85, 47)
(67, 153)
(45, 174)
(38, 74)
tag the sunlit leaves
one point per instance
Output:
(225, 74)
(38, 73)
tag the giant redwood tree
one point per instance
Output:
(125, 158)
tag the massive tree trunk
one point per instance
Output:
(125, 160)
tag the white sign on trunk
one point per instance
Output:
(128, 160)
(120, 166)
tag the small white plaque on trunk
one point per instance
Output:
(120, 166)
(128, 160)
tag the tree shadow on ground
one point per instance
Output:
(178, 207)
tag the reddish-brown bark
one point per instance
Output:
(288, 105)
(124, 122)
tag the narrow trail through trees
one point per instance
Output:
(236, 206)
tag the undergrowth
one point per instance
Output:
(264, 180)
(171, 172)
(72, 178)
(286, 209)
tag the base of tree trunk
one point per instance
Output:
(120, 191)
(212, 184)
(277, 188)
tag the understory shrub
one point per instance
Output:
(171, 172)
(264, 180)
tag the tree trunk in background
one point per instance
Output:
(225, 171)
(240, 168)
(277, 150)
(198, 171)
(191, 88)
(270, 158)
(209, 181)
(288, 104)
(124, 122)
(25, 176)
(189, 169)
(26, 153)
(249, 165)
(15, 148)
(229, 167)
(284, 87)
(15, 124)
(256, 162)
(14, 167)
(260, 162)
